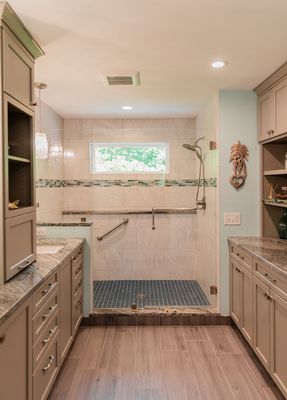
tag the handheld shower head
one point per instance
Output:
(188, 147)
(200, 204)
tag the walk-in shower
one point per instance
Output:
(200, 203)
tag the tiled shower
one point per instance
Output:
(181, 247)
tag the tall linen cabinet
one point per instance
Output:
(17, 160)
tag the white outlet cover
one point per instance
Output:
(232, 219)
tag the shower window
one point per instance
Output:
(129, 158)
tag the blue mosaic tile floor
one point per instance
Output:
(160, 293)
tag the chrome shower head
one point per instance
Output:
(195, 148)
(189, 146)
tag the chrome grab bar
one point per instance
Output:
(124, 222)
(132, 212)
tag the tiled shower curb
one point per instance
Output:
(155, 320)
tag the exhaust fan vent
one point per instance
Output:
(126, 80)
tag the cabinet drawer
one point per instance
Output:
(270, 278)
(18, 71)
(44, 292)
(77, 269)
(78, 285)
(46, 338)
(242, 256)
(44, 316)
(77, 256)
(20, 243)
(77, 312)
(46, 372)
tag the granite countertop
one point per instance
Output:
(272, 252)
(64, 224)
(18, 289)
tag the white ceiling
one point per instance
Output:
(170, 42)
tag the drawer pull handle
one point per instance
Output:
(51, 332)
(50, 286)
(24, 265)
(269, 277)
(51, 359)
(238, 255)
(77, 256)
(2, 339)
(51, 309)
(266, 295)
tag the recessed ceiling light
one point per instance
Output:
(127, 108)
(218, 64)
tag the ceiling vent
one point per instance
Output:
(123, 79)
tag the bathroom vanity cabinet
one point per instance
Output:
(35, 340)
(258, 306)
(17, 162)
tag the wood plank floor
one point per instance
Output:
(162, 363)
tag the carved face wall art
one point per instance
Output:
(238, 158)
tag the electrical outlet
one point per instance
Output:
(232, 219)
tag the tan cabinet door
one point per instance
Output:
(278, 341)
(18, 71)
(266, 115)
(20, 243)
(15, 356)
(235, 292)
(66, 302)
(261, 312)
(247, 304)
(280, 99)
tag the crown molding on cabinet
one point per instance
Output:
(274, 78)
(10, 19)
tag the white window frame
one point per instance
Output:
(129, 144)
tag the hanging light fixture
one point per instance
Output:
(41, 142)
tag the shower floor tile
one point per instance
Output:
(156, 293)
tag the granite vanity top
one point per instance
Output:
(272, 252)
(18, 289)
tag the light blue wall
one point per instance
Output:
(237, 121)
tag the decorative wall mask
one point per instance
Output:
(238, 157)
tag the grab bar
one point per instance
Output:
(132, 212)
(124, 222)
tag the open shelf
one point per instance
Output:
(19, 159)
(275, 172)
(19, 179)
(274, 204)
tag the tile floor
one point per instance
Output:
(162, 363)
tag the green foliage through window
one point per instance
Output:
(129, 158)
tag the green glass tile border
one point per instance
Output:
(48, 183)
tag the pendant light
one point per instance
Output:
(41, 142)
